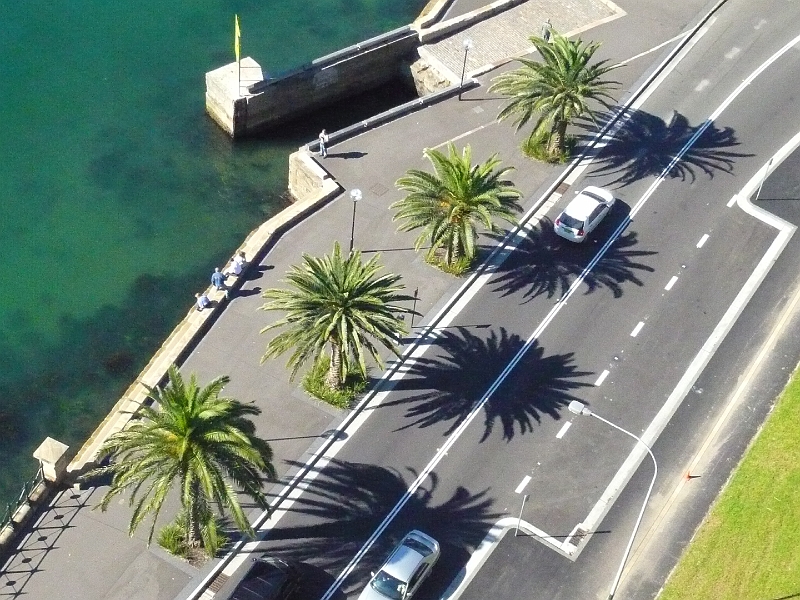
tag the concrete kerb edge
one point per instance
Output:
(484, 551)
(445, 28)
(428, 17)
(397, 112)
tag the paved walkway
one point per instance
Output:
(72, 551)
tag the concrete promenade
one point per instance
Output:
(72, 551)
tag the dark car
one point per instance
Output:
(268, 579)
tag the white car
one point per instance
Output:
(584, 213)
(404, 571)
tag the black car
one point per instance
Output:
(268, 579)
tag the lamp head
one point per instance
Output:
(578, 408)
(468, 44)
(355, 195)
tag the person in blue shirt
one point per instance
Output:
(218, 279)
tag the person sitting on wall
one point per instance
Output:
(202, 301)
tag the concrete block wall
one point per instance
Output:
(345, 73)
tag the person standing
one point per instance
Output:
(323, 143)
(218, 279)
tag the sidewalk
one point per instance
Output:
(72, 551)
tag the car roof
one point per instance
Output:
(266, 578)
(407, 556)
(585, 202)
(402, 563)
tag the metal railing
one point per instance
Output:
(23, 497)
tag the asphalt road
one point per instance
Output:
(683, 229)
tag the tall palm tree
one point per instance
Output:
(449, 203)
(193, 438)
(558, 89)
(341, 303)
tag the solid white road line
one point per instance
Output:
(734, 400)
(653, 49)
(563, 430)
(522, 484)
(672, 282)
(637, 329)
(702, 241)
(786, 230)
(602, 378)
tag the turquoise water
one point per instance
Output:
(119, 195)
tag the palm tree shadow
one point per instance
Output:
(446, 386)
(348, 501)
(545, 264)
(645, 145)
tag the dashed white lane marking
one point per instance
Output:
(637, 329)
(563, 430)
(702, 241)
(672, 282)
(522, 484)
(602, 378)
(732, 53)
(702, 85)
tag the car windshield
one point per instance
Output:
(387, 585)
(418, 546)
(568, 221)
(599, 199)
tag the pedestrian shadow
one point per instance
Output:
(254, 273)
(346, 155)
(545, 264)
(645, 145)
(348, 501)
(444, 385)
(38, 539)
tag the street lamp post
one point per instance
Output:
(579, 408)
(356, 196)
(467, 47)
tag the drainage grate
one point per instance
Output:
(578, 537)
(379, 189)
(561, 189)
(218, 582)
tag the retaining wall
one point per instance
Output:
(241, 106)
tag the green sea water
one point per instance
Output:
(119, 195)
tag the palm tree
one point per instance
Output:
(557, 89)
(340, 303)
(196, 439)
(449, 203)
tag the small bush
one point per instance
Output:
(314, 385)
(172, 539)
(458, 268)
(535, 146)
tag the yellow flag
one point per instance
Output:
(237, 35)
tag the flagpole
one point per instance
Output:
(237, 35)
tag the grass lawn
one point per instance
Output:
(749, 546)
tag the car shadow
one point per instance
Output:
(543, 263)
(348, 501)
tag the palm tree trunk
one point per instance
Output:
(334, 377)
(193, 537)
(555, 147)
